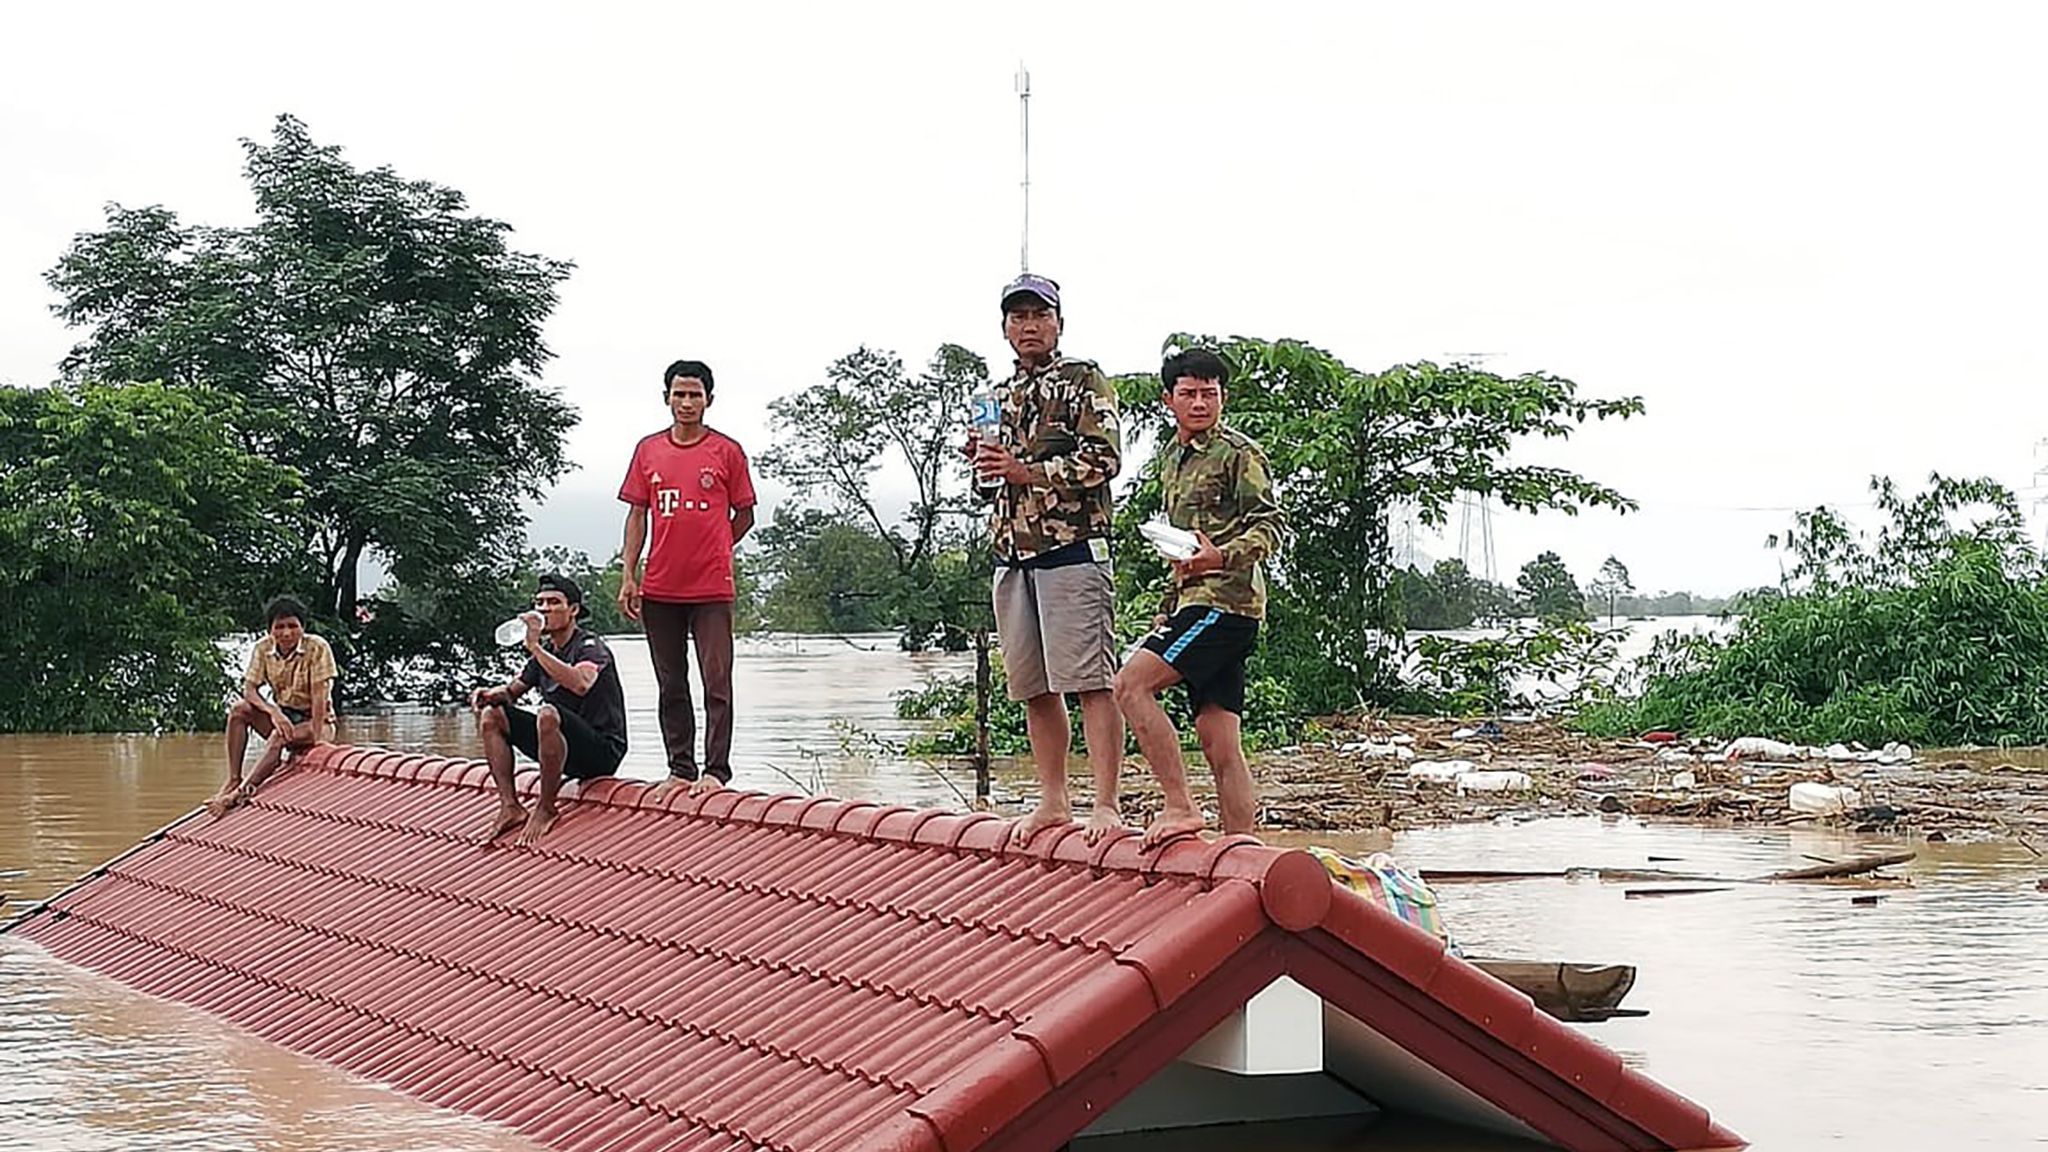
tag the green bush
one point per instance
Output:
(1938, 634)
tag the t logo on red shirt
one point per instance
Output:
(665, 500)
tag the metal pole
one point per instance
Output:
(1024, 141)
(982, 678)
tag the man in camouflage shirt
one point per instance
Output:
(1215, 483)
(1049, 531)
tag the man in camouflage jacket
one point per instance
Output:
(1214, 482)
(1049, 528)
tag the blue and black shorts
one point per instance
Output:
(1208, 647)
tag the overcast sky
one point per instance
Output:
(1810, 236)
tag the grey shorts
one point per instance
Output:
(1058, 628)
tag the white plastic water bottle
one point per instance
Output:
(985, 409)
(512, 633)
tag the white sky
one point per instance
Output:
(1811, 236)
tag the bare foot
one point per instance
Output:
(224, 802)
(537, 825)
(509, 816)
(705, 785)
(1171, 825)
(1101, 822)
(664, 786)
(1041, 818)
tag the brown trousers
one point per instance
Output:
(670, 628)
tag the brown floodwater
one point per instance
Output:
(1800, 1019)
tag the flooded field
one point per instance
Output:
(1801, 1019)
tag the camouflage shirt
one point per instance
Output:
(1061, 420)
(1219, 484)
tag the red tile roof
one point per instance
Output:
(746, 971)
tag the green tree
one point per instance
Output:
(1494, 603)
(832, 440)
(1448, 597)
(134, 534)
(1347, 446)
(1420, 600)
(1548, 589)
(828, 575)
(1611, 584)
(385, 342)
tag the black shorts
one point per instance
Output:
(590, 755)
(1208, 647)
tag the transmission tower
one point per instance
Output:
(1405, 530)
(1477, 507)
(1474, 506)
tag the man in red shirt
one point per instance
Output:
(690, 500)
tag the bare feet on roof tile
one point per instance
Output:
(226, 800)
(538, 823)
(1101, 822)
(1171, 825)
(705, 784)
(509, 816)
(1042, 817)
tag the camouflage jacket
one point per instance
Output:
(1061, 420)
(1219, 484)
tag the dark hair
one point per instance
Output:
(694, 368)
(1199, 363)
(281, 607)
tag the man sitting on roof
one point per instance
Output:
(298, 668)
(579, 731)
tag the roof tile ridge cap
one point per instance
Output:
(969, 822)
(1177, 951)
(856, 809)
(318, 755)
(416, 768)
(1294, 887)
(1045, 846)
(909, 838)
(455, 772)
(1123, 851)
(984, 1092)
(366, 760)
(348, 759)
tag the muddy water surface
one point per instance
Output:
(1800, 1019)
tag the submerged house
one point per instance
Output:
(744, 971)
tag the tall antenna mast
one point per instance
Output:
(1024, 141)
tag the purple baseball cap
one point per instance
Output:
(1032, 284)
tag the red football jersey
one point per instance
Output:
(689, 492)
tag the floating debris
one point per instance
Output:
(1348, 781)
